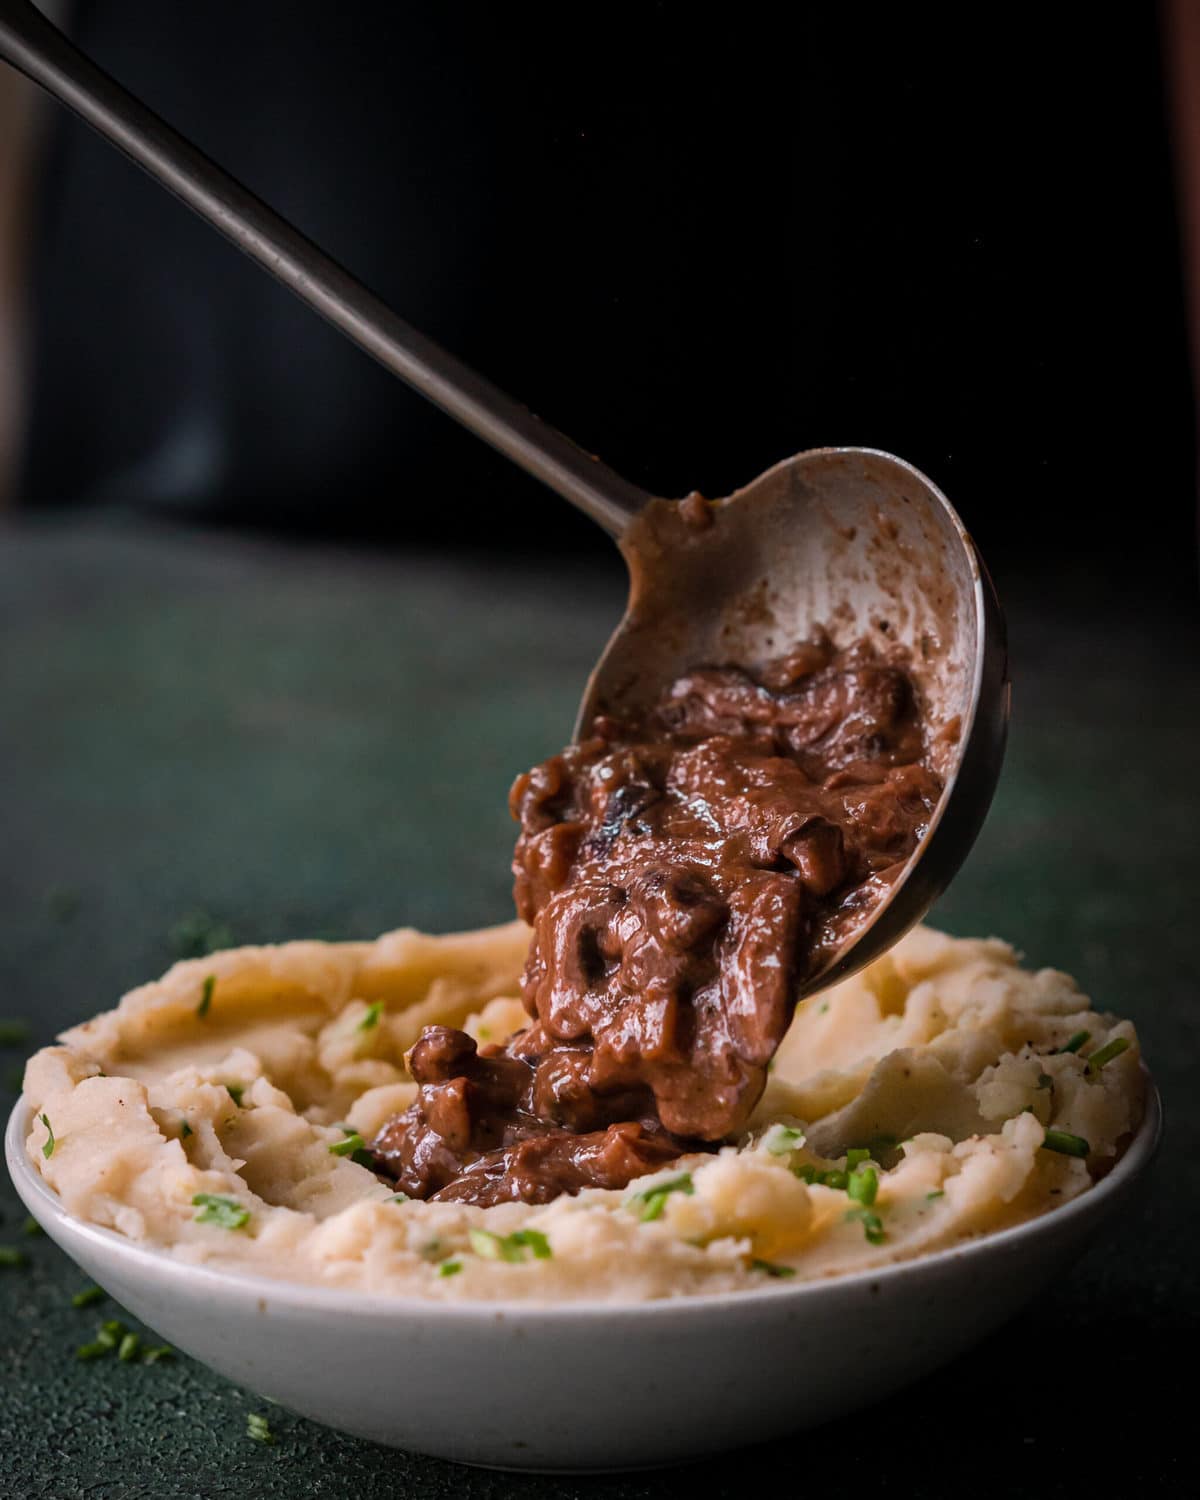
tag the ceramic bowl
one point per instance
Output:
(586, 1385)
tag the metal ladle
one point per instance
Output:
(848, 539)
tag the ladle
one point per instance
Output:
(849, 539)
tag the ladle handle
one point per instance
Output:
(39, 50)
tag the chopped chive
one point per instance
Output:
(10, 1256)
(871, 1222)
(782, 1139)
(371, 1019)
(13, 1033)
(111, 1333)
(398, 1198)
(1106, 1053)
(185, 1130)
(450, 1268)
(206, 995)
(31, 1226)
(824, 1007)
(258, 1428)
(1044, 1081)
(354, 1147)
(940, 1193)
(228, 1213)
(1073, 1044)
(863, 1185)
(351, 1143)
(48, 1147)
(533, 1240)
(856, 1156)
(1065, 1143)
(128, 1347)
(509, 1247)
(236, 1090)
(86, 1297)
(770, 1268)
(93, 1350)
(834, 1178)
(654, 1199)
(485, 1244)
(160, 1351)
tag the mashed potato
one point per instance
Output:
(942, 1093)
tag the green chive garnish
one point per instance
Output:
(1106, 1053)
(510, 1247)
(863, 1185)
(1073, 1044)
(1044, 1081)
(929, 1197)
(31, 1226)
(770, 1268)
(654, 1199)
(13, 1033)
(534, 1241)
(228, 1213)
(128, 1348)
(92, 1351)
(354, 1147)
(236, 1090)
(185, 1130)
(780, 1140)
(86, 1297)
(1065, 1143)
(48, 1147)
(871, 1222)
(398, 1198)
(449, 1268)
(160, 1351)
(486, 1245)
(110, 1334)
(837, 1179)
(856, 1156)
(258, 1428)
(10, 1256)
(206, 995)
(371, 1019)
(349, 1145)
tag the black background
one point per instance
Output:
(696, 245)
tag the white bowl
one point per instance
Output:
(590, 1385)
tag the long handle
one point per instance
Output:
(38, 49)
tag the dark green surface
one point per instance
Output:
(302, 744)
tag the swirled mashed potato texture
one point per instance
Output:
(910, 1108)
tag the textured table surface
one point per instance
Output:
(303, 743)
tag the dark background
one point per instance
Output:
(696, 245)
(275, 637)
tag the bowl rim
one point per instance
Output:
(37, 1193)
